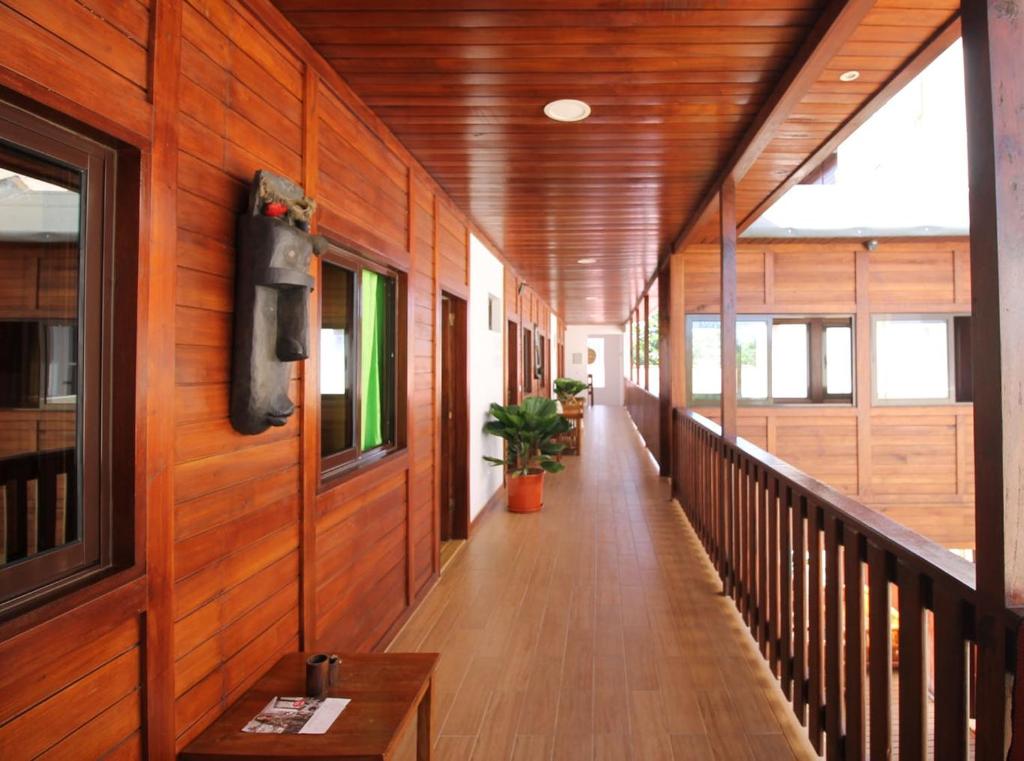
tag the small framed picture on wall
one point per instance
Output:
(494, 313)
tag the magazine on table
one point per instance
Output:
(297, 716)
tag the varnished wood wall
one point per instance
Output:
(527, 311)
(244, 555)
(913, 462)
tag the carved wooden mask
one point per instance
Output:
(272, 287)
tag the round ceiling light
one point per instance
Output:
(586, 260)
(849, 76)
(567, 110)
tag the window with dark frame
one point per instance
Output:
(359, 374)
(780, 360)
(60, 526)
(921, 359)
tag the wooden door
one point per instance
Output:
(513, 363)
(447, 419)
(454, 418)
(527, 362)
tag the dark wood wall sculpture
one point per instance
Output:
(272, 286)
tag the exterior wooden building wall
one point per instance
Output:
(241, 556)
(913, 462)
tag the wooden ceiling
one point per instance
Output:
(674, 86)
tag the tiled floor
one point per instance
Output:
(595, 630)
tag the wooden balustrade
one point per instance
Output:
(37, 499)
(644, 408)
(799, 558)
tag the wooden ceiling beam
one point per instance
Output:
(837, 24)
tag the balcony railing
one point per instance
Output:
(818, 578)
(644, 408)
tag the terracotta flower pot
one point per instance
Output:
(526, 493)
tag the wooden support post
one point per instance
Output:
(727, 205)
(677, 270)
(665, 367)
(632, 349)
(647, 342)
(157, 283)
(310, 376)
(993, 55)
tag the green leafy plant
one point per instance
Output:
(567, 389)
(529, 430)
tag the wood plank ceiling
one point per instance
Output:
(673, 87)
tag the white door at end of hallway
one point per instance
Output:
(604, 367)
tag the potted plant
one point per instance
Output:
(568, 390)
(529, 431)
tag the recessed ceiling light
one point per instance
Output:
(849, 76)
(586, 260)
(567, 110)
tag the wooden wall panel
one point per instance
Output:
(87, 702)
(913, 454)
(811, 278)
(363, 185)
(103, 59)
(230, 585)
(452, 238)
(423, 290)
(361, 541)
(251, 86)
(824, 447)
(913, 277)
(914, 463)
(703, 279)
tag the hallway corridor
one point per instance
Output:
(595, 630)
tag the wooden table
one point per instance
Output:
(387, 691)
(575, 436)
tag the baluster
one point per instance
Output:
(786, 522)
(742, 536)
(913, 688)
(763, 588)
(814, 626)
(950, 676)
(799, 610)
(751, 585)
(733, 509)
(853, 577)
(721, 541)
(880, 654)
(774, 562)
(833, 641)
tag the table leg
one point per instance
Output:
(423, 726)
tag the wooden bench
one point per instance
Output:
(387, 690)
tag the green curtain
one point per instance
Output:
(373, 339)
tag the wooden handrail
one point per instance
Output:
(799, 558)
(645, 410)
(919, 550)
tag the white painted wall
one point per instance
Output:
(576, 348)
(553, 333)
(486, 373)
